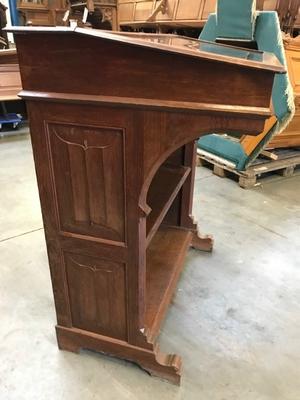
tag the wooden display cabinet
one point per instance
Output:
(284, 8)
(290, 137)
(51, 12)
(169, 13)
(42, 12)
(115, 164)
(108, 9)
(178, 13)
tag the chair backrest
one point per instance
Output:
(267, 34)
(235, 19)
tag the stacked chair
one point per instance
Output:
(237, 22)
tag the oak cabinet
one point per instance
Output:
(115, 162)
(42, 12)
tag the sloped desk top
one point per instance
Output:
(176, 44)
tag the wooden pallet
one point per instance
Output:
(285, 165)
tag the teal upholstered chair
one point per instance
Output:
(236, 19)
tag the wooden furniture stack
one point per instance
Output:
(42, 12)
(10, 86)
(108, 9)
(115, 164)
(9, 76)
(288, 11)
(174, 14)
(168, 13)
(290, 137)
(51, 12)
(3, 22)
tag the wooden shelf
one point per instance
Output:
(165, 259)
(163, 191)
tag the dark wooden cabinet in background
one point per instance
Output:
(51, 12)
(108, 10)
(290, 137)
(115, 163)
(42, 12)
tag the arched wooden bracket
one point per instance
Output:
(199, 241)
(156, 363)
(164, 366)
(145, 210)
(202, 242)
(161, 7)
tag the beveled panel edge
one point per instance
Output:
(91, 238)
(270, 63)
(254, 112)
(81, 245)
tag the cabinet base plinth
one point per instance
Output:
(202, 242)
(164, 366)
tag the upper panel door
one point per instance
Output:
(87, 166)
(188, 10)
(209, 7)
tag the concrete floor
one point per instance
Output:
(235, 318)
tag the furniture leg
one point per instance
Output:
(202, 242)
(199, 241)
(156, 363)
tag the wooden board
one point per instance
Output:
(191, 13)
(10, 82)
(165, 259)
(164, 188)
(8, 56)
(179, 13)
(285, 164)
(290, 137)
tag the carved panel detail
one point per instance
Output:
(88, 177)
(97, 295)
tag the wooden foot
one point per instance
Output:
(199, 162)
(247, 182)
(67, 345)
(203, 243)
(219, 171)
(164, 366)
(288, 171)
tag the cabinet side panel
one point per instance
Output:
(97, 295)
(188, 10)
(87, 168)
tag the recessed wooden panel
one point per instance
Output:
(97, 295)
(270, 5)
(10, 82)
(143, 10)
(188, 9)
(294, 70)
(125, 12)
(87, 165)
(39, 17)
(169, 14)
(209, 7)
